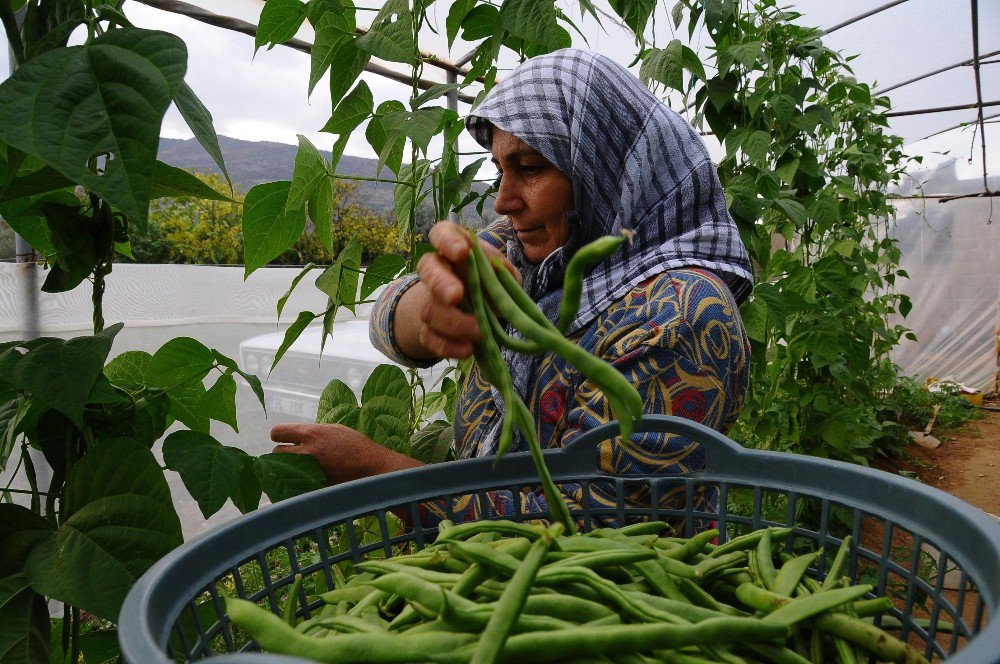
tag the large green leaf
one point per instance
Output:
(181, 360)
(320, 208)
(434, 443)
(534, 21)
(170, 181)
(117, 520)
(128, 368)
(387, 380)
(283, 475)
(210, 470)
(456, 14)
(20, 530)
(337, 404)
(33, 229)
(61, 373)
(334, 26)
(352, 111)
(279, 21)
(79, 246)
(48, 25)
(292, 333)
(309, 173)
(383, 269)
(391, 41)
(24, 623)
(346, 64)
(340, 280)
(419, 126)
(33, 183)
(220, 401)
(665, 66)
(306, 269)
(407, 198)
(246, 494)
(388, 146)
(268, 229)
(386, 420)
(71, 105)
(199, 120)
(635, 13)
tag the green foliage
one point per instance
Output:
(808, 161)
(915, 407)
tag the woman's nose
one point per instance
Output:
(508, 198)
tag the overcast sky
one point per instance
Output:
(264, 97)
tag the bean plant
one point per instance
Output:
(807, 164)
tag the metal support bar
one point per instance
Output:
(979, 87)
(963, 63)
(859, 17)
(236, 25)
(943, 109)
(960, 124)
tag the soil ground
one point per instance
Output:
(966, 465)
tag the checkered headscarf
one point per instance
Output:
(634, 164)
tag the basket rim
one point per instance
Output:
(965, 533)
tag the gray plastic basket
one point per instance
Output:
(905, 536)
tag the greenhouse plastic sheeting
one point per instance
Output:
(951, 251)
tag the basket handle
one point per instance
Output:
(579, 456)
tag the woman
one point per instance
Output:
(584, 150)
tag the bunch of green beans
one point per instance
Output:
(491, 280)
(500, 591)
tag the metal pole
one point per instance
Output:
(24, 254)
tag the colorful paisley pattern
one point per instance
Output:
(677, 336)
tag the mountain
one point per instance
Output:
(252, 162)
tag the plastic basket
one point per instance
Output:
(905, 536)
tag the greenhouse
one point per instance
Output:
(499, 330)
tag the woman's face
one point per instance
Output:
(533, 193)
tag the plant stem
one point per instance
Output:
(13, 34)
(75, 636)
(361, 178)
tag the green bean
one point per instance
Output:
(869, 637)
(509, 606)
(601, 559)
(697, 595)
(713, 566)
(892, 622)
(520, 345)
(691, 547)
(353, 594)
(273, 634)
(791, 611)
(501, 288)
(344, 624)
(645, 528)
(586, 256)
(680, 608)
(777, 654)
(792, 571)
(837, 566)
(870, 607)
(487, 555)
(464, 531)
(765, 561)
(749, 540)
(566, 607)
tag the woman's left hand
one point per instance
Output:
(343, 453)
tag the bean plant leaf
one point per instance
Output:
(352, 111)
(117, 520)
(283, 300)
(283, 475)
(387, 380)
(170, 181)
(388, 146)
(419, 126)
(434, 443)
(407, 197)
(33, 183)
(756, 146)
(20, 530)
(635, 13)
(188, 405)
(310, 172)
(61, 373)
(334, 23)
(24, 622)
(534, 21)
(382, 270)
(337, 404)
(199, 121)
(483, 21)
(180, 361)
(252, 380)
(71, 106)
(432, 93)
(386, 420)
(220, 401)
(247, 492)
(456, 15)
(79, 246)
(268, 228)
(754, 314)
(320, 209)
(340, 280)
(279, 21)
(292, 334)
(33, 229)
(747, 53)
(128, 368)
(48, 25)
(391, 41)
(210, 470)
(793, 210)
(346, 64)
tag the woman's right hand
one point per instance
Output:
(429, 322)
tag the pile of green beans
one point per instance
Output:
(500, 591)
